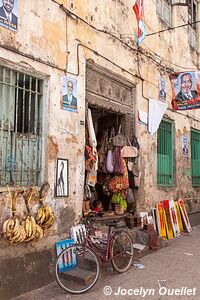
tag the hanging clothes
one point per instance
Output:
(92, 174)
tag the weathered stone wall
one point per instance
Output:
(50, 43)
(173, 51)
(40, 48)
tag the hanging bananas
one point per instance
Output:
(27, 231)
(45, 217)
(14, 231)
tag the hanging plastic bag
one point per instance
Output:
(117, 198)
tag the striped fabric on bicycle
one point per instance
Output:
(67, 261)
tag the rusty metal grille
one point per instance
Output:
(20, 128)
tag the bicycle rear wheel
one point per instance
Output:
(121, 251)
(77, 269)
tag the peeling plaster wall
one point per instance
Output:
(48, 43)
(39, 48)
(118, 18)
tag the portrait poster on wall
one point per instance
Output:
(61, 186)
(9, 14)
(162, 89)
(185, 145)
(69, 94)
(185, 90)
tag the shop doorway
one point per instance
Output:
(106, 125)
(110, 98)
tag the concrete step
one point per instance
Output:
(81, 276)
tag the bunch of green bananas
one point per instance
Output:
(45, 216)
(14, 231)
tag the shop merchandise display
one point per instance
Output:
(113, 152)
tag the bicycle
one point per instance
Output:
(87, 257)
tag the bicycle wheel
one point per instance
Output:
(77, 269)
(121, 251)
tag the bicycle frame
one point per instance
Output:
(106, 258)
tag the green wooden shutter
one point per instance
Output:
(165, 162)
(195, 157)
(20, 128)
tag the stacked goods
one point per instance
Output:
(29, 228)
(171, 218)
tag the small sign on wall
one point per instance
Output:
(162, 89)
(9, 14)
(69, 94)
(62, 186)
(185, 145)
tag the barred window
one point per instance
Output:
(20, 128)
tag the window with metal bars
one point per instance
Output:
(20, 128)
(165, 161)
(195, 157)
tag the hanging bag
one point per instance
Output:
(119, 140)
(137, 180)
(119, 183)
(135, 169)
(118, 162)
(135, 142)
(129, 151)
(109, 162)
(130, 198)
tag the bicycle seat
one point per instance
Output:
(111, 223)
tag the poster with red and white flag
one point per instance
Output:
(138, 9)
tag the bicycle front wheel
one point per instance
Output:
(121, 251)
(77, 269)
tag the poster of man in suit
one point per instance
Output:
(9, 14)
(162, 89)
(185, 145)
(185, 90)
(69, 94)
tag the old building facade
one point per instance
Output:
(95, 44)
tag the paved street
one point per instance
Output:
(178, 264)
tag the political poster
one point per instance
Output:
(9, 14)
(185, 90)
(69, 94)
(162, 89)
